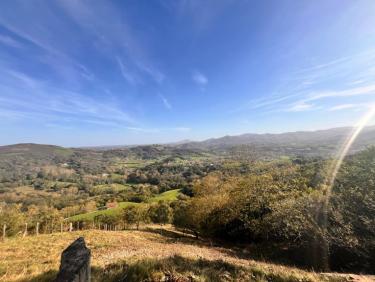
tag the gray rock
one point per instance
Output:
(75, 263)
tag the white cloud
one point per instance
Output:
(114, 35)
(9, 41)
(343, 107)
(31, 98)
(129, 77)
(356, 82)
(358, 106)
(151, 71)
(165, 102)
(25, 79)
(309, 85)
(144, 130)
(363, 90)
(199, 78)
(300, 107)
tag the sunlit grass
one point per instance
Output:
(141, 254)
(166, 196)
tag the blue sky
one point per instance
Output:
(83, 73)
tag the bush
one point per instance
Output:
(160, 213)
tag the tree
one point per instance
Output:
(160, 213)
(12, 217)
(135, 214)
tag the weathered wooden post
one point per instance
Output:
(70, 227)
(25, 232)
(75, 263)
(37, 229)
(4, 231)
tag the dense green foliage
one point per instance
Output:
(280, 203)
(283, 203)
(352, 213)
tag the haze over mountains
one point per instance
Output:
(308, 143)
(323, 137)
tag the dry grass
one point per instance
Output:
(22, 259)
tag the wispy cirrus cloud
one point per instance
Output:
(40, 104)
(114, 35)
(65, 108)
(47, 40)
(342, 107)
(311, 88)
(357, 91)
(7, 40)
(201, 15)
(199, 78)
(126, 73)
(300, 107)
(62, 87)
(356, 106)
(165, 101)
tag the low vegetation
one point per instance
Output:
(152, 254)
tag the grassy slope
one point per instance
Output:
(28, 150)
(141, 254)
(109, 212)
(166, 196)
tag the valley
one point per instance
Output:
(271, 202)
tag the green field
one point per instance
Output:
(108, 212)
(166, 196)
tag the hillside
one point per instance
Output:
(302, 143)
(166, 196)
(152, 253)
(37, 151)
(318, 143)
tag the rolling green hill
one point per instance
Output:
(34, 150)
(166, 196)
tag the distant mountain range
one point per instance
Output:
(319, 142)
(310, 143)
(34, 150)
(328, 136)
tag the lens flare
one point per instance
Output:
(345, 148)
(332, 174)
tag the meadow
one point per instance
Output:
(116, 211)
(152, 253)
